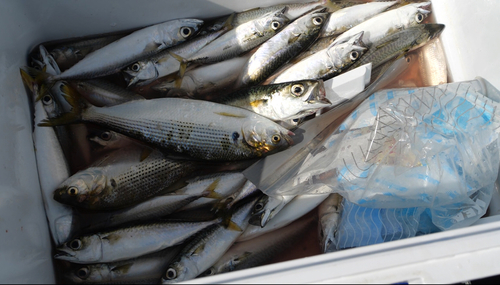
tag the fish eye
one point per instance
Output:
(135, 67)
(276, 139)
(297, 89)
(47, 100)
(75, 244)
(275, 25)
(170, 274)
(354, 55)
(186, 32)
(259, 206)
(419, 17)
(211, 271)
(295, 120)
(105, 136)
(317, 21)
(72, 191)
(83, 272)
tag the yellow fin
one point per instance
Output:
(226, 114)
(258, 103)
(123, 268)
(199, 249)
(234, 227)
(210, 191)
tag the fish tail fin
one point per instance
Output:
(182, 69)
(210, 191)
(234, 227)
(228, 24)
(37, 81)
(74, 116)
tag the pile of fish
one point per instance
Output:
(141, 136)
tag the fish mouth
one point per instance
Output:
(64, 255)
(320, 97)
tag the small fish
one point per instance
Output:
(397, 44)
(387, 23)
(129, 242)
(145, 268)
(282, 101)
(267, 207)
(326, 63)
(124, 51)
(295, 209)
(262, 249)
(162, 64)
(207, 247)
(239, 40)
(285, 45)
(121, 179)
(346, 18)
(184, 126)
(102, 93)
(329, 219)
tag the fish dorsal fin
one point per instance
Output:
(227, 114)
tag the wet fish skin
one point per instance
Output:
(129, 242)
(242, 38)
(260, 250)
(282, 101)
(147, 267)
(326, 63)
(102, 93)
(162, 64)
(121, 179)
(397, 44)
(248, 189)
(207, 247)
(226, 133)
(281, 48)
(267, 207)
(329, 218)
(389, 22)
(122, 52)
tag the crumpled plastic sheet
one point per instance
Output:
(434, 148)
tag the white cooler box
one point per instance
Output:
(471, 47)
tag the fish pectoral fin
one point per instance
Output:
(234, 227)
(111, 238)
(227, 114)
(258, 103)
(152, 47)
(294, 38)
(124, 268)
(198, 250)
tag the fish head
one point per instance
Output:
(345, 54)
(266, 137)
(272, 22)
(177, 272)
(313, 21)
(326, 238)
(66, 56)
(265, 209)
(82, 188)
(140, 72)
(109, 140)
(414, 14)
(187, 28)
(81, 249)
(79, 273)
(298, 99)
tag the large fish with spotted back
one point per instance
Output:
(199, 129)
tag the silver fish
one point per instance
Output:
(118, 54)
(162, 64)
(267, 207)
(129, 242)
(122, 178)
(225, 133)
(282, 101)
(52, 170)
(346, 18)
(329, 219)
(103, 93)
(388, 23)
(207, 247)
(327, 63)
(262, 249)
(241, 39)
(145, 268)
(247, 190)
(285, 45)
